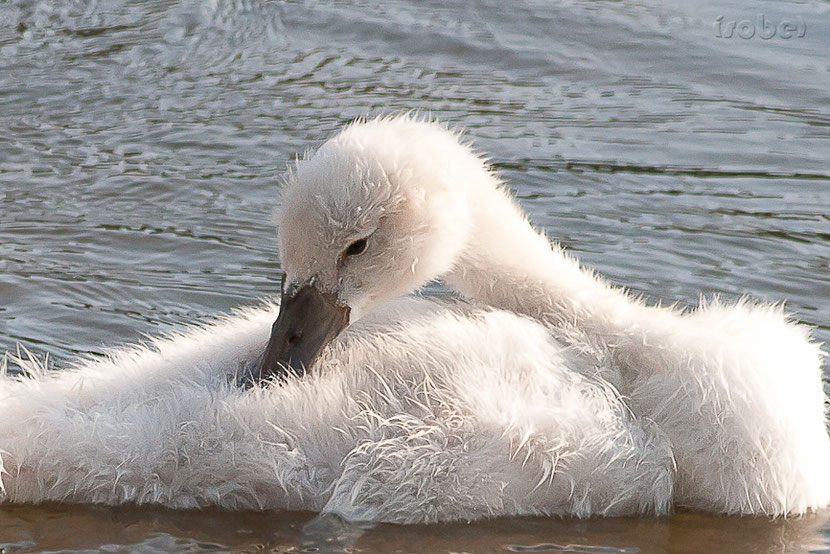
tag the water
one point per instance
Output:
(159, 530)
(141, 144)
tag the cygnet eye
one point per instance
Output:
(356, 248)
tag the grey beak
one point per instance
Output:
(309, 319)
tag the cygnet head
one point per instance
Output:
(376, 212)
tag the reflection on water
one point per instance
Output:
(85, 528)
(141, 143)
(571, 548)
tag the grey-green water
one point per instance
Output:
(141, 143)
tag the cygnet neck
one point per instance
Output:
(509, 265)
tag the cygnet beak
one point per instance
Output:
(309, 319)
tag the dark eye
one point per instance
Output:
(356, 248)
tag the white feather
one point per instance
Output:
(558, 394)
(379, 432)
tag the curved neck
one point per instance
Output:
(508, 265)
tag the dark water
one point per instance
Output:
(85, 529)
(141, 144)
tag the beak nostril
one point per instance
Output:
(292, 340)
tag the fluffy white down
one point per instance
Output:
(559, 394)
(407, 420)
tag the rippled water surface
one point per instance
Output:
(141, 144)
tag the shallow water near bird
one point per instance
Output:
(29, 529)
(141, 144)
